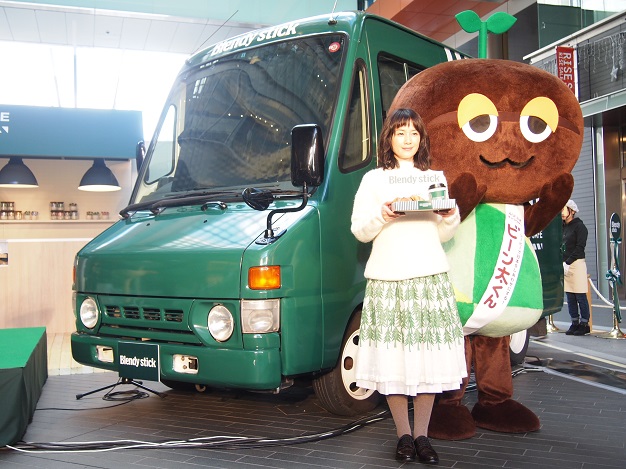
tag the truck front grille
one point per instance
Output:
(146, 313)
(147, 318)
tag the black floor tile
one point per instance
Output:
(582, 426)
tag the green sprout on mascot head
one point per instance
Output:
(506, 134)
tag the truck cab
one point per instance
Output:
(233, 265)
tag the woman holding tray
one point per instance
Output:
(411, 341)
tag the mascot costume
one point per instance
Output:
(507, 136)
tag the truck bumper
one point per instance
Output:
(258, 369)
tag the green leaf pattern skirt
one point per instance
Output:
(410, 338)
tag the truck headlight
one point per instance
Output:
(259, 316)
(89, 313)
(221, 323)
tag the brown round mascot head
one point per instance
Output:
(503, 131)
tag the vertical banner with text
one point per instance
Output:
(566, 67)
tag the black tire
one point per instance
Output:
(182, 386)
(336, 390)
(518, 347)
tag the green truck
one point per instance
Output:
(233, 265)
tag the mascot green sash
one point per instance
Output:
(495, 272)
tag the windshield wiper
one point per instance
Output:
(283, 193)
(193, 198)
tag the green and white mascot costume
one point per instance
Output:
(507, 136)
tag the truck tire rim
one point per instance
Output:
(518, 340)
(348, 370)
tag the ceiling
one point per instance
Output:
(85, 27)
(52, 23)
(433, 18)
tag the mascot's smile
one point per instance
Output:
(499, 164)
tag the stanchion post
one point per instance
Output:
(589, 302)
(550, 326)
(614, 277)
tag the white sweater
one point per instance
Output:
(408, 246)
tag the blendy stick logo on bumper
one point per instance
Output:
(139, 360)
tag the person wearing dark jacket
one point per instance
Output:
(575, 269)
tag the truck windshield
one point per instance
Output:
(228, 122)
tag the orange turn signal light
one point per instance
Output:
(265, 277)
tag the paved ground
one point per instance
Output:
(576, 385)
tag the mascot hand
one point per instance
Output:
(467, 193)
(552, 198)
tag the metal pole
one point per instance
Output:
(613, 276)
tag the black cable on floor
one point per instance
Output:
(217, 442)
(129, 396)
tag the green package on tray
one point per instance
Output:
(422, 205)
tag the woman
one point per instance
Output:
(575, 269)
(411, 341)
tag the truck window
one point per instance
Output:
(355, 151)
(234, 117)
(393, 73)
(164, 164)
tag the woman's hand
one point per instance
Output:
(446, 213)
(389, 214)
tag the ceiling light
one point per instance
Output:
(17, 175)
(99, 178)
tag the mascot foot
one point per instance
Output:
(451, 422)
(508, 417)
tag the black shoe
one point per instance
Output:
(425, 452)
(573, 328)
(405, 451)
(582, 329)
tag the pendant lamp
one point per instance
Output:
(99, 178)
(17, 175)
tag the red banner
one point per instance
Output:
(566, 67)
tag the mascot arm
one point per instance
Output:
(467, 192)
(552, 198)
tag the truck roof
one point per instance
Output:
(346, 21)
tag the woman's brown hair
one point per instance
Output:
(399, 118)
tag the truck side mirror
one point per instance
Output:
(307, 155)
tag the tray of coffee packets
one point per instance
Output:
(423, 205)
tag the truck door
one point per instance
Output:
(396, 55)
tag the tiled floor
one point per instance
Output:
(583, 423)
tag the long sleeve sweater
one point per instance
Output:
(574, 240)
(408, 246)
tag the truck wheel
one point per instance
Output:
(337, 390)
(518, 347)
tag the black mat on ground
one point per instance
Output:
(588, 372)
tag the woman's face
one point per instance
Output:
(564, 213)
(405, 142)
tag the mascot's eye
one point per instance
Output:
(534, 129)
(477, 117)
(480, 128)
(539, 119)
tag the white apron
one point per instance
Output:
(576, 278)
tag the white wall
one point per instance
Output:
(36, 283)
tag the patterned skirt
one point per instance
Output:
(411, 339)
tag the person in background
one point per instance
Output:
(411, 339)
(575, 269)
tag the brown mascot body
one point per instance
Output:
(507, 136)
